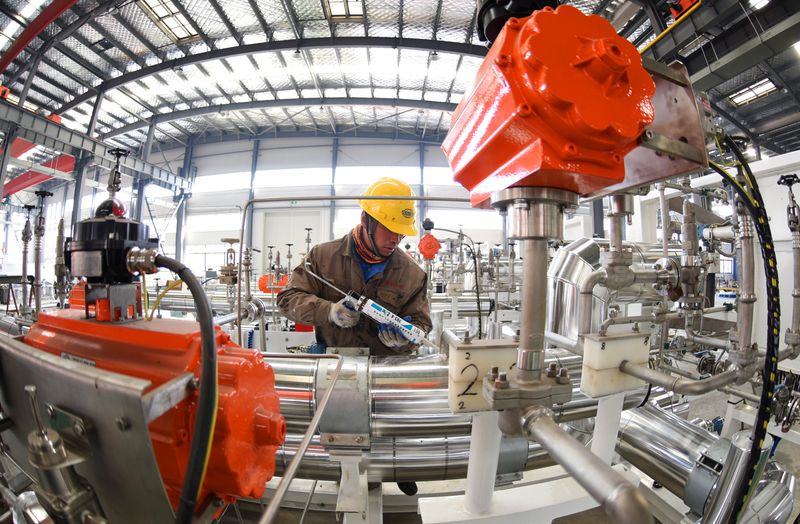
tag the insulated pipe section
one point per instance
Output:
(664, 446)
(719, 509)
(680, 385)
(620, 499)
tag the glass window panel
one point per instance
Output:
(337, 8)
(293, 177)
(213, 222)
(360, 175)
(439, 176)
(226, 182)
(466, 218)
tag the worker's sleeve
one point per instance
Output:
(419, 308)
(299, 300)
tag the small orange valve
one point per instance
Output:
(429, 246)
(558, 102)
(268, 283)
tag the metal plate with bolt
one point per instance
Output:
(111, 411)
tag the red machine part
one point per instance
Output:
(558, 102)
(268, 284)
(429, 246)
(249, 426)
(679, 7)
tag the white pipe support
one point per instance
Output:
(606, 426)
(620, 499)
(483, 458)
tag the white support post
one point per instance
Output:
(484, 453)
(606, 427)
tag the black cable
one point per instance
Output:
(207, 398)
(757, 210)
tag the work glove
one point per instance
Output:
(343, 315)
(392, 336)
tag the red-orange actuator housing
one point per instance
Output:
(249, 426)
(558, 102)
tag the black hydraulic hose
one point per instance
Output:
(756, 208)
(207, 398)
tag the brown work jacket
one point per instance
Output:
(402, 288)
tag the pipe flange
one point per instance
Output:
(141, 261)
(535, 212)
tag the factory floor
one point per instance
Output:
(711, 406)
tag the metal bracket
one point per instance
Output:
(353, 483)
(345, 440)
(671, 147)
(165, 397)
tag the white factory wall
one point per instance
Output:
(289, 168)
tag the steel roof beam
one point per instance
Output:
(278, 134)
(763, 142)
(710, 17)
(226, 21)
(285, 45)
(298, 102)
(739, 48)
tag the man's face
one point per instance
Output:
(386, 241)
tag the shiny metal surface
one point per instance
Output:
(773, 500)
(127, 494)
(662, 445)
(535, 212)
(572, 264)
(620, 499)
(719, 508)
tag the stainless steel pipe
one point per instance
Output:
(530, 357)
(620, 499)
(680, 385)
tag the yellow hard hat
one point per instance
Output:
(395, 215)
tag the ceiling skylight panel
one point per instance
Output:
(169, 19)
(344, 10)
(753, 92)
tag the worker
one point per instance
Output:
(366, 261)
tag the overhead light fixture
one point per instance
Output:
(758, 4)
(344, 10)
(169, 19)
(797, 46)
(752, 92)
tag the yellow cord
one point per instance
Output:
(211, 439)
(169, 288)
(733, 180)
(145, 296)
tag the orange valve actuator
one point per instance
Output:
(429, 246)
(558, 102)
(249, 426)
(268, 283)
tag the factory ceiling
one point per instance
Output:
(207, 70)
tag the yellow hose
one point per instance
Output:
(169, 288)
(145, 296)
